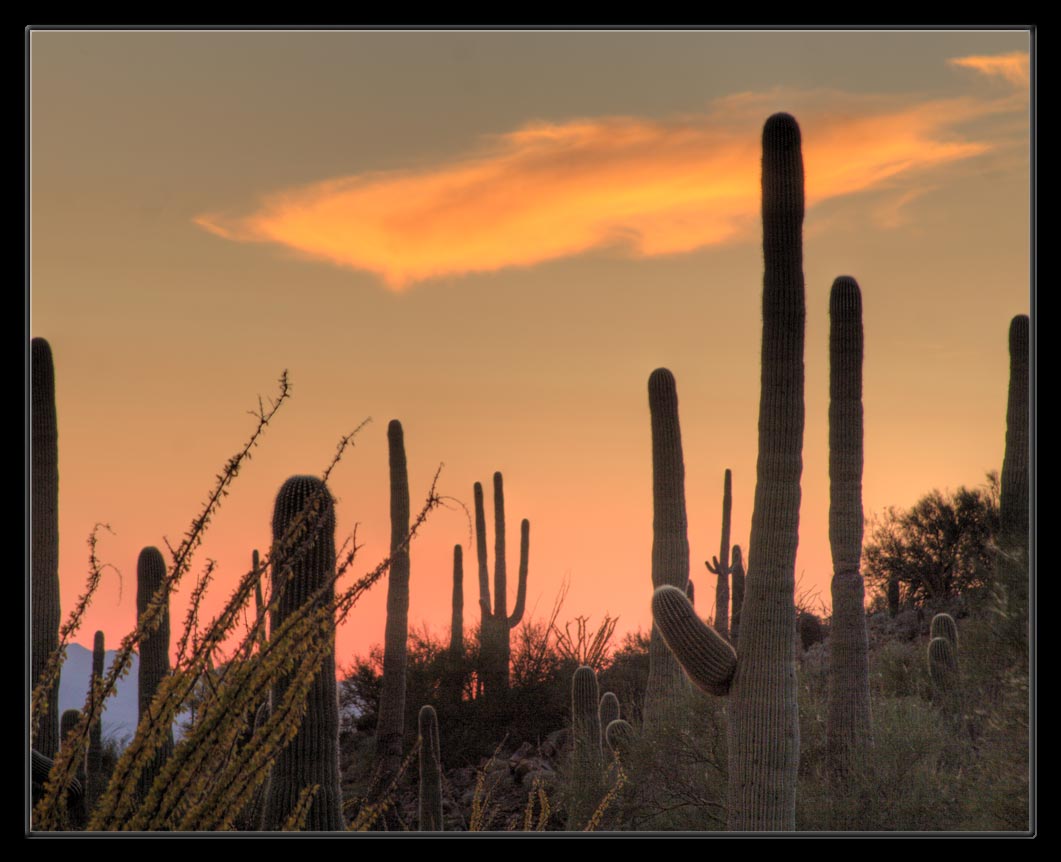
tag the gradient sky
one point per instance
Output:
(495, 238)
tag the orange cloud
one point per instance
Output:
(1013, 67)
(551, 190)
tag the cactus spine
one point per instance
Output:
(154, 651)
(719, 565)
(44, 514)
(763, 718)
(848, 725)
(312, 756)
(95, 783)
(670, 538)
(390, 726)
(430, 772)
(586, 763)
(496, 623)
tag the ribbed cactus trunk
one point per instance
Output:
(737, 573)
(1014, 493)
(455, 656)
(430, 772)
(720, 565)
(154, 652)
(312, 757)
(586, 762)
(95, 782)
(848, 725)
(390, 727)
(44, 524)
(670, 538)
(495, 649)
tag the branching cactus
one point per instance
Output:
(304, 508)
(154, 651)
(496, 622)
(719, 566)
(943, 626)
(430, 772)
(761, 678)
(848, 723)
(736, 570)
(44, 524)
(95, 782)
(586, 762)
(390, 727)
(670, 537)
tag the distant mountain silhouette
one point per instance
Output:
(120, 711)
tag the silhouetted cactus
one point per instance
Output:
(95, 779)
(670, 537)
(304, 508)
(586, 763)
(893, 596)
(455, 656)
(619, 735)
(736, 570)
(1014, 490)
(761, 677)
(44, 528)
(390, 727)
(154, 651)
(848, 723)
(495, 649)
(943, 626)
(719, 566)
(430, 772)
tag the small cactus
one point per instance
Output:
(943, 626)
(609, 709)
(430, 772)
(154, 651)
(586, 763)
(312, 756)
(719, 565)
(943, 665)
(620, 735)
(44, 524)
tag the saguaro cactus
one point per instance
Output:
(719, 566)
(761, 680)
(496, 623)
(1014, 492)
(44, 523)
(455, 656)
(390, 725)
(670, 536)
(736, 570)
(586, 763)
(619, 735)
(943, 626)
(95, 738)
(312, 757)
(430, 772)
(154, 651)
(943, 666)
(848, 724)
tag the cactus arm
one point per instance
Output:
(721, 568)
(707, 658)
(521, 589)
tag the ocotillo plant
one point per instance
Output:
(154, 649)
(736, 570)
(670, 538)
(496, 623)
(455, 657)
(390, 726)
(44, 524)
(719, 566)
(95, 740)
(943, 626)
(586, 763)
(848, 724)
(430, 772)
(761, 681)
(312, 757)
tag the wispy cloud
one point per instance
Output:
(1013, 67)
(652, 186)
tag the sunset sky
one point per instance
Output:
(495, 237)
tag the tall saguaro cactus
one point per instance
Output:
(455, 657)
(299, 576)
(761, 680)
(496, 623)
(719, 566)
(670, 536)
(848, 724)
(44, 523)
(95, 737)
(1014, 492)
(390, 726)
(430, 772)
(154, 650)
